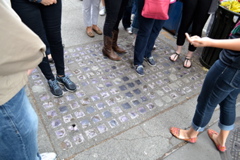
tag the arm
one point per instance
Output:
(45, 2)
(231, 44)
(21, 49)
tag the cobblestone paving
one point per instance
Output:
(111, 97)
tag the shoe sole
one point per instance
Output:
(56, 95)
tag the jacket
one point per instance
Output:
(20, 50)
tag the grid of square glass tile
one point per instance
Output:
(109, 93)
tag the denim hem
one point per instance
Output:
(224, 127)
(197, 128)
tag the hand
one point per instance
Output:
(29, 71)
(198, 41)
(48, 2)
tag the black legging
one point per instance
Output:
(194, 12)
(114, 13)
(45, 21)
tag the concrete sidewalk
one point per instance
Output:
(116, 114)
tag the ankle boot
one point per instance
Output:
(108, 51)
(114, 43)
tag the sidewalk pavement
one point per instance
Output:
(116, 114)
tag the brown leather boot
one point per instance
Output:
(108, 51)
(114, 43)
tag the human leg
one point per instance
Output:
(187, 18)
(200, 17)
(126, 19)
(145, 29)
(112, 9)
(157, 26)
(18, 129)
(115, 47)
(35, 23)
(221, 86)
(227, 119)
(51, 17)
(95, 10)
(87, 17)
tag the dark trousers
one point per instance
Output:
(45, 21)
(126, 19)
(114, 13)
(194, 12)
(148, 32)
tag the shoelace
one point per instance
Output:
(66, 80)
(54, 84)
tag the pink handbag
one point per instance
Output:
(156, 9)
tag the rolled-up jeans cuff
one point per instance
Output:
(197, 128)
(224, 127)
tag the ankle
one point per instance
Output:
(189, 54)
(192, 133)
(89, 28)
(219, 141)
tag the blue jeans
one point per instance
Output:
(135, 23)
(126, 19)
(18, 129)
(45, 21)
(221, 86)
(148, 32)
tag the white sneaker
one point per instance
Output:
(154, 47)
(102, 11)
(129, 30)
(48, 156)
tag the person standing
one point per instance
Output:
(90, 16)
(45, 21)
(114, 10)
(21, 51)
(147, 34)
(194, 13)
(220, 87)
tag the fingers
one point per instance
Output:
(49, 2)
(188, 37)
